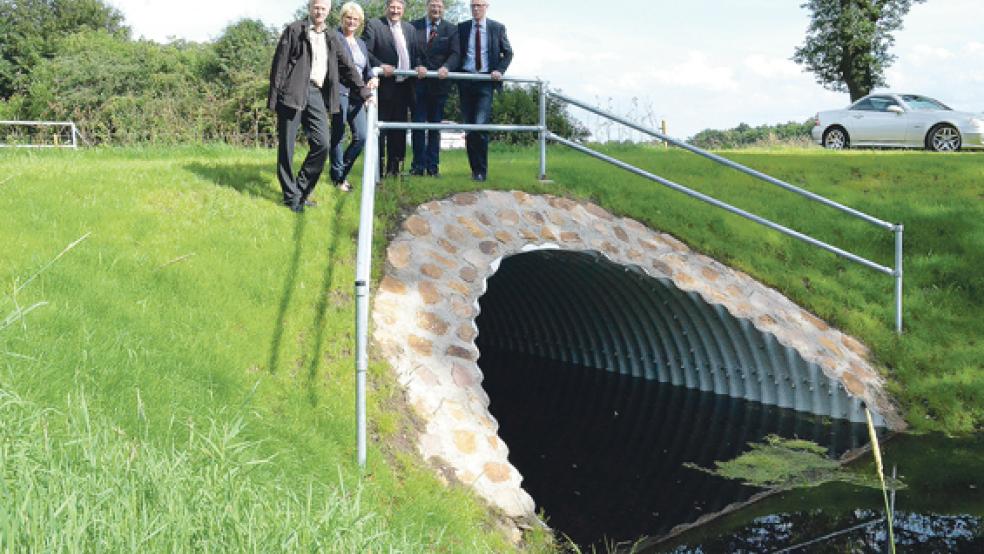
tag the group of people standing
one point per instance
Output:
(321, 80)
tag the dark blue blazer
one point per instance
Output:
(500, 51)
(443, 51)
(367, 72)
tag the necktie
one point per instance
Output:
(478, 47)
(401, 50)
(432, 36)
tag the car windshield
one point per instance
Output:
(875, 104)
(923, 103)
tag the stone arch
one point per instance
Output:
(438, 267)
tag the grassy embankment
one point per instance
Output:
(189, 381)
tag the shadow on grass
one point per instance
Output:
(323, 297)
(252, 179)
(289, 285)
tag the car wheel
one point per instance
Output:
(835, 138)
(944, 138)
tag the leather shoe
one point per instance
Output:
(417, 172)
(478, 177)
(297, 207)
(434, 173)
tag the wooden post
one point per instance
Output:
(662, 129)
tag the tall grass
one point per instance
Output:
(71, 482)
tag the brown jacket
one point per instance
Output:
(290, 72)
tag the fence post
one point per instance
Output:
(899, 229)
(543, 131)
(362, 271)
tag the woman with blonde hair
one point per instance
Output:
(351, 103)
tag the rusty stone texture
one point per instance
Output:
(534, 217)
(547, 234)
(398, 254)
(393, 285)
(620, 234)
(710, 274)
(432, 271)
(473, 227)
(454, 232)
(597, 211)
(466, 332)
(420, 345)
(432, 323)
(488, 247)
(448, 246)
(468, 273)
(456, 351)
(465, 199)
(509, 217)
(418, 226)
(815, 321)
(428, 292)
(464, 441)
(497, 473)
(570, 236)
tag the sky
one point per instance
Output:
(697, 64)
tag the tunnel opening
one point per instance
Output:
(604, 381)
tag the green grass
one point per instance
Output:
(197, 301)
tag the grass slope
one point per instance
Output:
(197, 304)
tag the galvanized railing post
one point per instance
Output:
(899, 229)
(543, 131)
(363, 271)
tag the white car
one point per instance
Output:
(899, 120)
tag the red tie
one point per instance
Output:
(433, 34)
(478, 48)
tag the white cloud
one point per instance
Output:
(772, 68)
(695, 72)
(924, 54)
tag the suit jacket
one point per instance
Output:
(443, 51)
(290, 71)
(367, 72)
(500, 51)
(382, 46)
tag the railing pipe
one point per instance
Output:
(542, 93)
(899, 230)
(457, 127)
(724, 161)
(724, 205)
(363, 271)
(460, 76)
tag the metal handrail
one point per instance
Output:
(724, 161)
(370, 177)
(70, 124)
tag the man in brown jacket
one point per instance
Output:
(309, 66)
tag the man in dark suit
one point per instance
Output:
(392, 44)
(309, 66)
(484, 49)
(437, 40)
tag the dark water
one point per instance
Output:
(602, 454)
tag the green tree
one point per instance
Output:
(454, 10)
(124, 91)
(240, 70)
(31, 29)
(848, 41)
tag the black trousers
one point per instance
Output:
(395, 100)
(314, 119)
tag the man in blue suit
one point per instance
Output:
(484, 49)
(437, 40)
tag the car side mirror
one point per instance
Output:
(896, 109)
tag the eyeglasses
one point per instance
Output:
(474, 6)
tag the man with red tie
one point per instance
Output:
(392, 44)
(484, 49)
(438, 43)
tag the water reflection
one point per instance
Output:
(603, 453)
